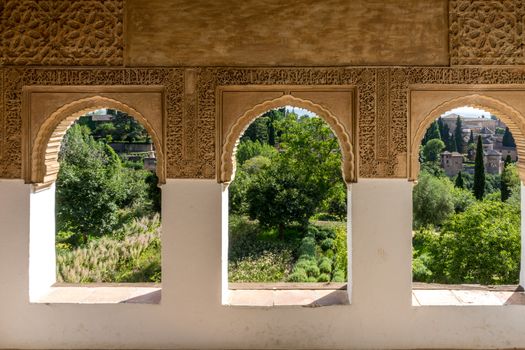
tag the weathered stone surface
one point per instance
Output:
(294, 33)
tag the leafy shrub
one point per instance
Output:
(420, 270)
(326, 244)
(312, 270)
(432, 200)
(308, 247)
(324, 277)
(339, 276)
(341, 258)
(299, 275)
(254, 257)
(325, 265)
(481, 245)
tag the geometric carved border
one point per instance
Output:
(190, 98)
(231, 137)
(41, 164)
(14, 79)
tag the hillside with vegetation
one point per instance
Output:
(107, 207)
(467, 226)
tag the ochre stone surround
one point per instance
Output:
(41, 41)
(190, 136)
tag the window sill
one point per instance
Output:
(103, 293)
(287, 294)
(466, 295)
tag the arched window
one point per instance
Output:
(287, 218)
(103, 166)
(467, 209)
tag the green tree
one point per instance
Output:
(121, 128)
(458, 135)
(445, 136)
(471, 138)
(432, 133)
(257, 131)
(248, 149)
(282, 195)
(508, 139)
(433, 149)
(432, 200)
(459, 181)
(480, 245)
(300, 176)
(88, 188)
(510, 181)
(479, 172)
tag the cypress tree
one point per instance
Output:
(479, 172)
(441, 126)
(432, 133)
(459, 181)
(508, 160)
(445, 136)
(471, 138)
(508, 139)
(458, 135)
(505, 186)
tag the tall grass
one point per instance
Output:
(131, 254)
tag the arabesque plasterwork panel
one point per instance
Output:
(15, 79)
(62, 33)
(486, 32)
(382, 113)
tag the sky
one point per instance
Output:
(300, 111)
(468, 112)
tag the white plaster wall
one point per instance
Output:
(522, 267)
(42, 257)
(191, 314)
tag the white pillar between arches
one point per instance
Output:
(349, 241)
(382, 243)
(42, 257)
(522, 234)
(225, 242)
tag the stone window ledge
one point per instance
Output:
(104, 293)
(287, 294)
(466, 295)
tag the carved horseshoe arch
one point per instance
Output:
(510, 116)
(227, 168)
(45, 149)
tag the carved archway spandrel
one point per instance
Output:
(231, 139)
(513, 119)
(44, 167)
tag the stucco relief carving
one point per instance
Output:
(390, 97)
(46, 146)
(485, 32)
(46, 32)
(15, 79)
(363, 78)
(227, 169)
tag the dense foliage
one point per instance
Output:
(99, 199)
(288, 174)
(467, 228)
